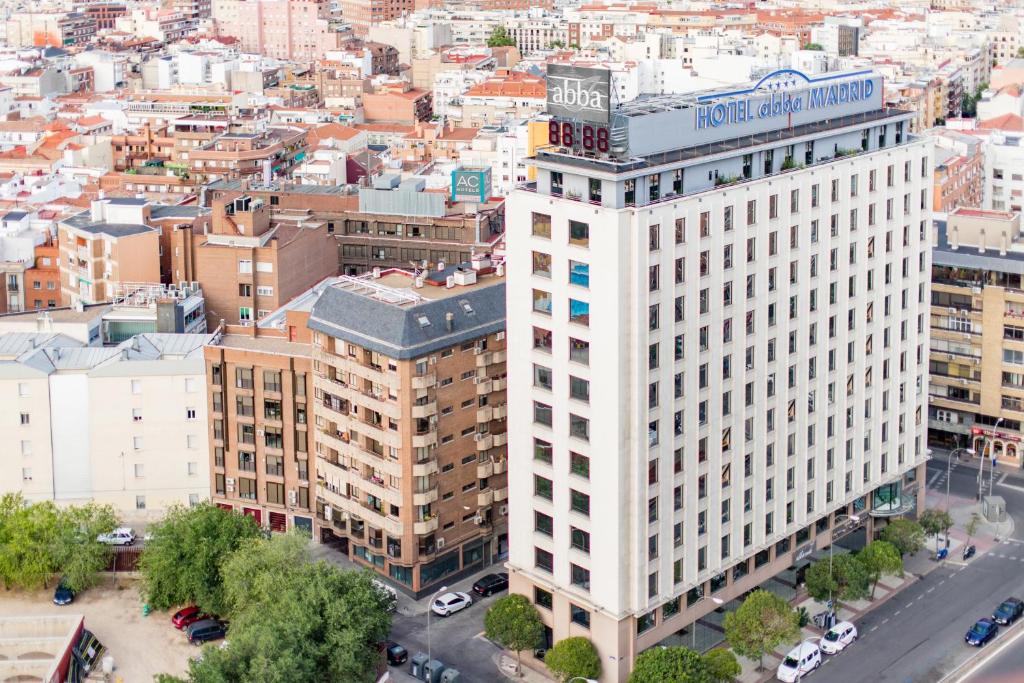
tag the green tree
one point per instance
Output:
(28, 538)
(573, 657)
(500, 38)
(847, 579)
(722, 665)
(972, 526)
(514, 623)
(556, 45)
(814, 46)
(670, 665)
(759, 625)
(906, 534)
(79, 556)
(935, 522)
(300, 621)
(182, 563)
(880, 558)
(1020, 52)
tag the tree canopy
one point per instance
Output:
(906, 534)
(814, 46)
(514, 623)
(722, 665)
(500, 38)
(880, 558)
(760, 624)
(573, 657)
(846, 579)
(293, 620)
(935, 521)
(670, 665)
(40, 540)
(183, 561)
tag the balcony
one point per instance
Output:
(485, 498)
(424, 381)
(486, 358)
(425, 468)
(347, 364)
(500, 494)
(362, 398)
(427, 526)
(354, 450)
(487, 385)
(425, 410)
(425, 498)
(426, 440)
(484, 442)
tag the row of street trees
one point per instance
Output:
(40, 542)
(292, 620)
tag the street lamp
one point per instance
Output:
(693, 631)
(949, 467)
(430, 608)
(831, 544)
(992, 467)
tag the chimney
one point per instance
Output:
(449, 320)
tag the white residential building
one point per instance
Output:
(1003, 188)
(124, 425)
(719, 324)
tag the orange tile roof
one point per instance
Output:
(1011, 122)
(516, 84)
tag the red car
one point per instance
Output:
(187, 616)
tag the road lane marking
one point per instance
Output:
(908, 605)
(930, 589)
(897, 613)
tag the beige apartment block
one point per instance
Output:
(977, 324)
(409, 382)
(110, 243)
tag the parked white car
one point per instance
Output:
(838, 638)
(119, 536)
(801, 660)
(450, 603)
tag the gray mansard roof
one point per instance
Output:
(399, 331)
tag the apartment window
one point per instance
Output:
(542, 450)
(542, 413)
(578, 615)
(579, 502)
(191, 441)
(140, 502)
(24, 419)
(543, 523)
(542, 598)
(579, 274)
(244, 290)
(579, 539)
(244, 266)
(140, 470)
(579, 389)
(579, 351)
(579, 312)
(579, 465)
(542, 377)
(243, 378)
(579, 576)
(190, 413)
(542, 339)
(136, 386)
(541, 487)
(579, 427)
(542, 559)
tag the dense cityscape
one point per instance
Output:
(304, 375)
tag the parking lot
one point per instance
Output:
(141, 646)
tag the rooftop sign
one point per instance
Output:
(782, 93)
(579, 93)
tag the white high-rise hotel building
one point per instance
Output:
(718, 328)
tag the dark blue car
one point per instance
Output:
(1008, 612)
(982, 632)
(63, 595)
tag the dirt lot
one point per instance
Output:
(141, 646)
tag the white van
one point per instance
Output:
(801, 660)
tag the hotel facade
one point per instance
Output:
(717, 305)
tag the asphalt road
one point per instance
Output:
(917, 636)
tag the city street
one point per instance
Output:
(918, 634)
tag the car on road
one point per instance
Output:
(450, 603)
(187, 616)
(1008, 612)
(395, 653)
(120, 536)
(63, 595)
(983, 631)
(838, 638)
(205, 630)
(490, 584)
(801, 660)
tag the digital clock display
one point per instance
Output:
(579, 136)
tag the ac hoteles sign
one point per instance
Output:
(471, 185)
(578, 93)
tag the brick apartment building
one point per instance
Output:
(260, 387)
(409, 382)
(42, 280)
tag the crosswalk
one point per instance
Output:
(937, 481)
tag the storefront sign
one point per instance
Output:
(803, 552)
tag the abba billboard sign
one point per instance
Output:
(578, 93)
(787, 92)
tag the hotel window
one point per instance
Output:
(595, 190)
(541, 225)
(629, 187)
(677, 181)
(751, 211)
(654, 186)
(579, 234)
(705, 224)
(556, 183)
(542, 301)
(773, 206)
(680, 230)
(542, 264)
